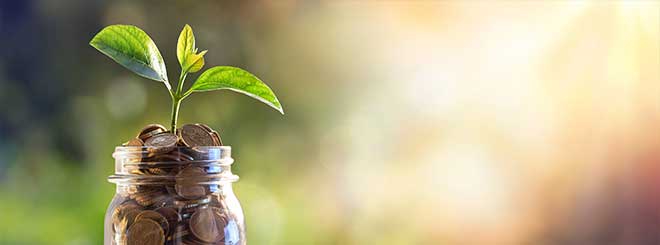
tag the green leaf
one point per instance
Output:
(186, 52)
(186, 45)
(195, 62)
(239, 80)
(132, 48)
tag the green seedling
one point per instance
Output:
(132, 48)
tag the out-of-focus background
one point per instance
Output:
(473, 122)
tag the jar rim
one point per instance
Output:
(208, 179)
(131, 159)
(127, 151)
(135, 149)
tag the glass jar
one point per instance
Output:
(180, 195)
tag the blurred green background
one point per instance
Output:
(453, 122)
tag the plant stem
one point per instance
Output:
(182, 79)
(175, 113)
(176, 100)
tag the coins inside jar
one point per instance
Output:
(155, 216)
(145, 232)
(207, 224)
(179, 206)
(124, 215)
(186, 183)
(171, 215)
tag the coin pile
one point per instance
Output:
(185, 209)
(189, 135)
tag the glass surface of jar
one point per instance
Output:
(174, 196)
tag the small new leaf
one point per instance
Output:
(132, 48)
(194, 62)
(239, 80)
(186, 45)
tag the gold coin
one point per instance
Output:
(151, 130)
(179, 232)
(214, 135)
(206, 127)
(186, 183)
(134, 142)
(173, 217)
(124, 216)
(216, 138)
(161, 199)
(143, 200)
(156, 171)
(155, 216)
(208, 224)
(194, 135)
(150, 196)
(162, 142)
(186, 205)
(145, 232)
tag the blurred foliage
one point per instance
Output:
(65, 107)
(406, 123)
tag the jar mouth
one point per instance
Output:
(198, 153)
(207, 179)
(148, 149)
(158, 165)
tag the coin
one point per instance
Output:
(148, 197)
(194, 135)
(173, 156)
(156, 171)
(133, 169)
(208, 224)
(134, 142)
(186, 205)
(214, 135)
(155, 216)
(125, 218)
(145, 232)
(216, 138)
(186, 183)
(162, 142)
(206, 127)
(178, 232)
(173, 217)
(151, 130)
(120, 235)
